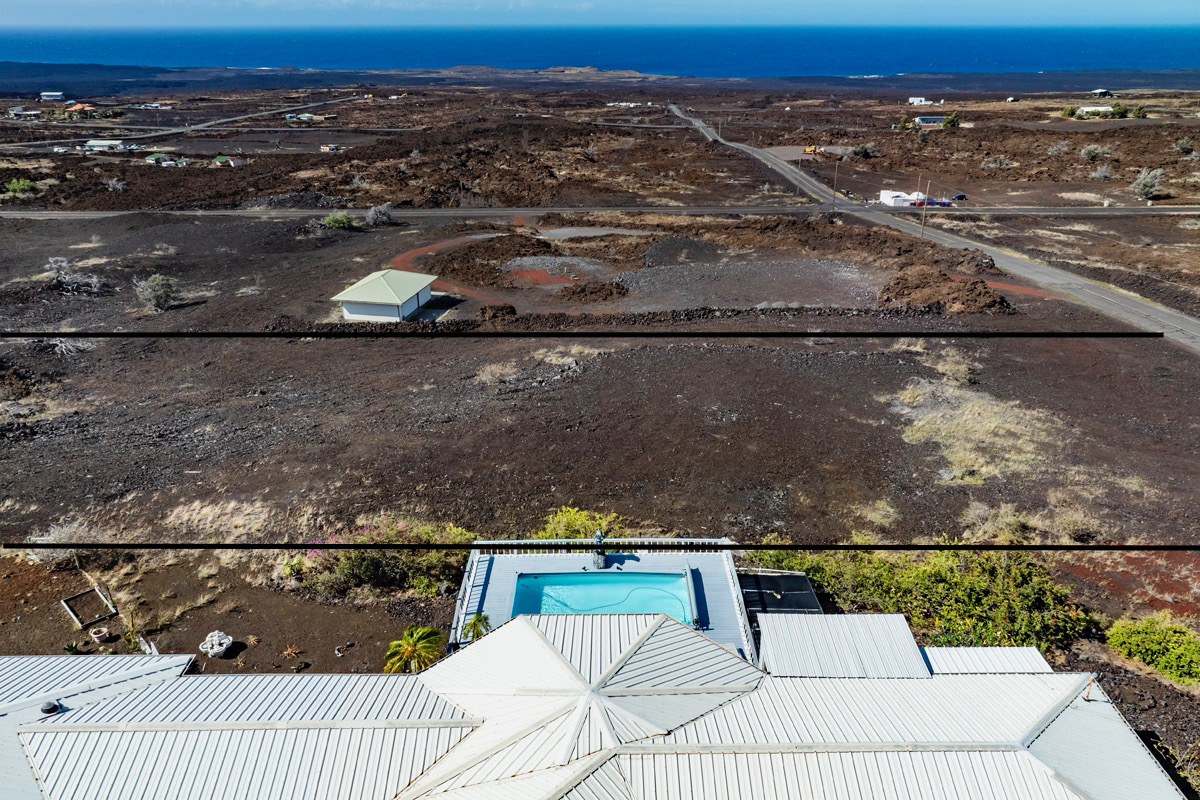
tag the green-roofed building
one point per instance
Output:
(389, 295)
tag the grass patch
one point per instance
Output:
(879, 513)
(979, 436)
(574, 523)
(953, 598)
(565, 356)
(335, 572)
(493, 374)
(1161, 642)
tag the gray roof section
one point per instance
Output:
(262, 698)
(491, 586)
(978, 660)
(839, 646)
(1094, 751)
(75, 681)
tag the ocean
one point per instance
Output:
(698, 52)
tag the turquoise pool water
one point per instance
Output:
(604, 593)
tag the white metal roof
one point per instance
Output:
(839, 646)
(1093, 749)
(586, 708)
(969, 660)
(391, 287)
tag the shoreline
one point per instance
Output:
(24, 77)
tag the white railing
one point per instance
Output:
(464, 596)
(526, 547)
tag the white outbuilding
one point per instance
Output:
(390, 295)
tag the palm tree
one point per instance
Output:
(419, 647)
(478, 626)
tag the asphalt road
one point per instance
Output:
(1129, 308)
(185, 129)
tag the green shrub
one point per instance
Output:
(1069, 111)
(951, 121)
(573, 523)
(340, 220)
(20, 186)
(1118, 112)
(1185, 146)
(868, 150)
(1147, 184)
(335, 571)
(1169, 646)
(1139, 112)
(157, 292)
(961, 598)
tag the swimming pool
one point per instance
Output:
(606, 593)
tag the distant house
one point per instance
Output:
(102, 145)
(19, 112)
(1101, 93)
(52, 97)
(1093, 110)
(929, 122)
(892, 198)
(919, 101)
(229, 161)
(389, 295)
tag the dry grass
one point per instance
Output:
(229, 607)
(879, 513)
(207, 571)
(565, 356)
(493, 374)
(954, 365)
(979, 436)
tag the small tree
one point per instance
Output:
(904, 124)
(1069, 112)
(1185, 146)
(378, 216)
(1118, 112)
(477, 627)
(20, 185)
(157, 292)
(416, 650)
(1147, 183)
(951, 121)
(1139, 112)
(340, 220)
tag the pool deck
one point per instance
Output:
(490, 582)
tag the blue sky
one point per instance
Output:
(84, 14)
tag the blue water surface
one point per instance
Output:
(604, 593)
(750, 52)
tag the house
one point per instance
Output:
(19, 112)
(928, 122)
(102, 145)
(585, 707)
(892, 198)
(1101, 93)
(1086, 110)
(390, 295)
(51, 97)
(229, 161)
(919, 101)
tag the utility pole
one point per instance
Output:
(925, 205)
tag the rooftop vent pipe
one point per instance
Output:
(50, 707)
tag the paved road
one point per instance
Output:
(1129, 308)
(185, 129)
